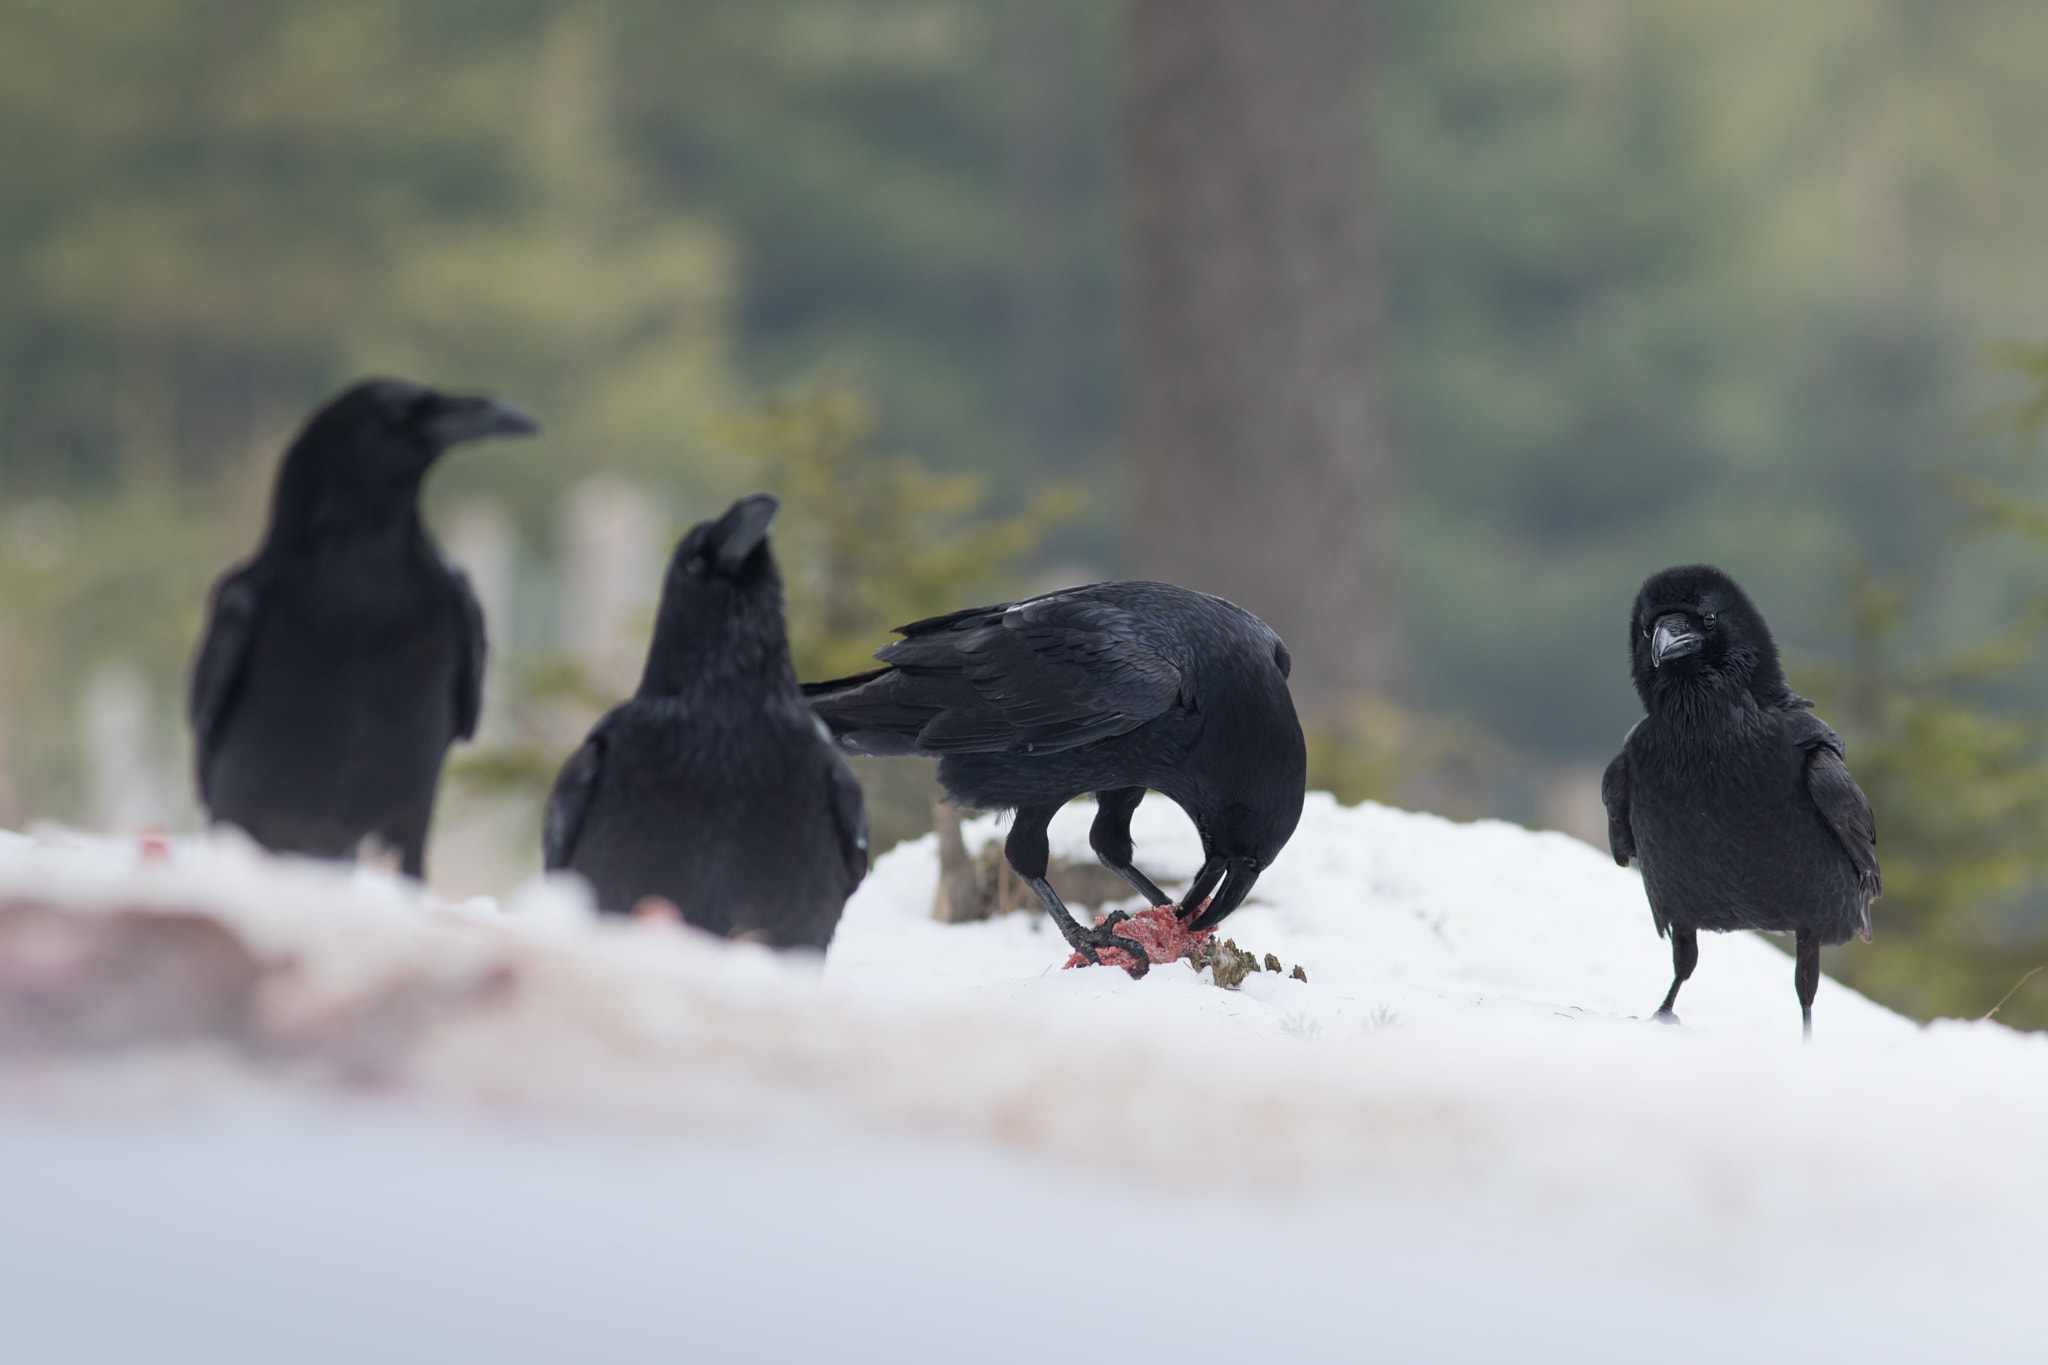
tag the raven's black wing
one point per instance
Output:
(569, 803)
(1042, 676)
(1621, 840)
(469, 668)
(217, 671)
(849, 818)
(1841, 803)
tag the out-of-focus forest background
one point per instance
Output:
(1657, 281)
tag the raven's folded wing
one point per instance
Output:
(570, 802)
(1041, 676)
(217, 672)
(1621, 840)
(1045, 675)
(1841, 803)
(469, 668)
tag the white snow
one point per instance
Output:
(440, 1131)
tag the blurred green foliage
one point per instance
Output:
(1687, 280)
(114, 580)
(219, 212)
(622, 214)
(871, 542)
(1375, 749)
(1957, 779)
(1670, 280)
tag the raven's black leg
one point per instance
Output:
(1685, 955)
(1028, 853)
(1110, 837)
(1806, 977)
(407, 837)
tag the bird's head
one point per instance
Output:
(1242, 838)
(1694, 629)
(721, 603)
(1262, 771)
(1254, 835)
(364, 454)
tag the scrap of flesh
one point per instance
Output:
(1159, 930)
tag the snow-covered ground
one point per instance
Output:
(385, 1129)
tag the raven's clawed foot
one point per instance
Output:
(1089, 942)
(1665, 1016)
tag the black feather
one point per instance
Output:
(1621, 841)
(562, 825)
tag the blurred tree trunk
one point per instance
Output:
(1260, 449)
(1037, 60)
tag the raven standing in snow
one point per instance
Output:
(715, 788)
(343, 660)
(1731, 795)
(1112, 689)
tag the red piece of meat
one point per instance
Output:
(1159, 930)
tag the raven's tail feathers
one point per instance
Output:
(867, 714)
(837, 685)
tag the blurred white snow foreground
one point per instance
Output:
(257, 1109)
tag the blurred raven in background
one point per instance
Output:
(1730, 795)
(341, 662)
(1112, 689)
(715, 788)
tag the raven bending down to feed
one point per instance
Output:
(343, 660)
(715, 788)
(1112, 689)
(1730, 794)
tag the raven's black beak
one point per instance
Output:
(742, 529)
(1238, 876)
(1673, 638)
(455, 418)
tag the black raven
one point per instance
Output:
(715, 788)
(341, 661)
(1112, 689)
(1731, 795)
